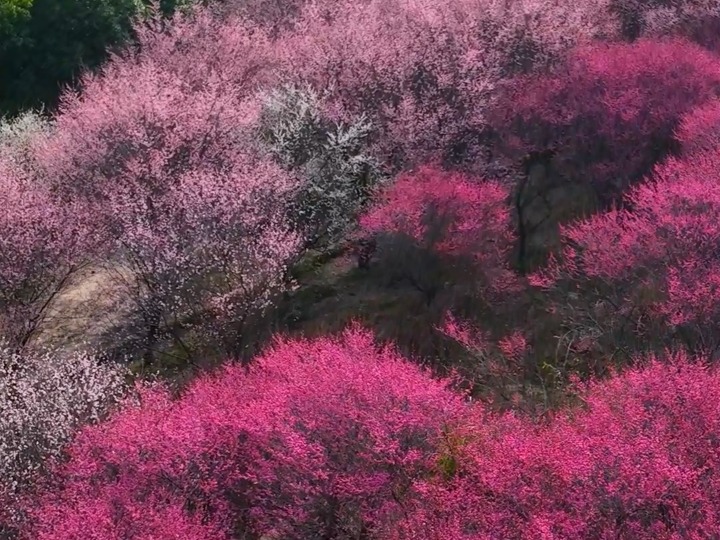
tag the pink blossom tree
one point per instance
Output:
(637, 458)
(181, 191)
(42, 243)
(334, 437)
(649, 271)
(699, 130)
(201, 47)
(44, 398)
(317, 438)
(213, 259)
(461, 220)
(609, 111)
(426, 72)
(41, 246)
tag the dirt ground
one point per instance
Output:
(84, 312)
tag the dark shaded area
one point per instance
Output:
(47, 48)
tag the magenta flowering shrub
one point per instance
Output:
(652, 267)
(699, 130)
(637, 459)
(336, 438)
(316, 439)
(609, 112)
(451, 216)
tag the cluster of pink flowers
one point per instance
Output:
(453, 215)
(337, 438)
(158, 168)
(426, 73)
(664, 243)
(317, 438)
(637, 460)
(42, 243)
(610, 110)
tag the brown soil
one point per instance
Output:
(85, 310)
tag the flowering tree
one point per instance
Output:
(609, 111)
(699, 131)
(182, 193)
(335, 438)
(648, 271)
(200, 47)
(431, 213)
(426, 72)
(338, 174)
(638, 460)
(44, 398)
(317, 439)
(206, 255)
(42, 244)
